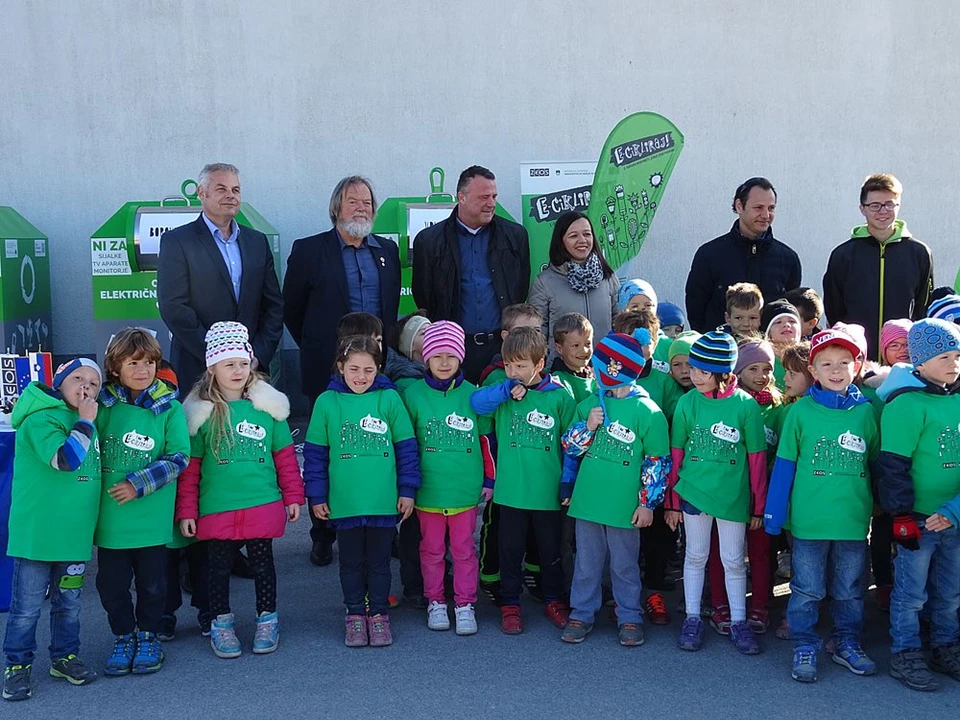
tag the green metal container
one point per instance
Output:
(25, 320)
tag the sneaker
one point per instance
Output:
(223, 637)
(149, 657)
(691, 634)
(805, 663)
(784, 568)
(759, 621)
(783, 630)
(356, 631)
(849, 654)
(910, 669)
(415, 600)
(466, 620)
(510, 621)
(576, 631)
(204, 620)
(946, 660)
(882, 596)
(168, 628)
(631, 635)
(656, 608)
(120, 661)
(558, 613)
(491, 590)
(321, 554)
(743, 638)
(378, 628)
(16, 683)
(720, 620)
(531, 582)
(437, 618)
(267, 637)
(72, 669)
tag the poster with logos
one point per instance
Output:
(549, 189)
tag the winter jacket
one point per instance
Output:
(262, 521)
(436, 266)
(732, 258)
(869, 282)
(552, 295)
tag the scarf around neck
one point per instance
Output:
(586, 277)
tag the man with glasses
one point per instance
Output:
(881, 272)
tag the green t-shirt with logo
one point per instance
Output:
(242, 474)
(360, 430)
(529, 456)
(52, 512)
(497, 376)
(132, 437)
(926, 428)
(716, 436)
(579, 387)
(831, 497)
(608, 482)
(661, 355)
(663, 390)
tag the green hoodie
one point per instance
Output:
(52, 512)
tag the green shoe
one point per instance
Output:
(72, 669)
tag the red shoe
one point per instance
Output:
(558, 612)
(510, 621)
(759, 621)
(720, 620)
(882, 594)
(656, 608)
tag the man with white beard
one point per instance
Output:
(342, 270)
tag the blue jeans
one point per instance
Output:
(593, 542)
(820, 566)
(935, 566)
(30, 582)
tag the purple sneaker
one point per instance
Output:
(380, 635)
(743, 638)
(691, 634)
(356, 631)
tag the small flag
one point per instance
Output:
(41, 367)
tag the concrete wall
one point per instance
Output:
(110, 101)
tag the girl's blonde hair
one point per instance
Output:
(221, 435)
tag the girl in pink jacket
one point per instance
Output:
(243, 482)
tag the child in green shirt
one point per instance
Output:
(573, 341)
(679, 359)
(53, 510)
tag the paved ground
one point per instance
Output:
(439, 675)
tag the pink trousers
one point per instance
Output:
(433, 547)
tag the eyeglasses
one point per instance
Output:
(875, 207)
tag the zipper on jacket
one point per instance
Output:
(883, 261)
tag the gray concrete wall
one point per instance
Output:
(110, 101)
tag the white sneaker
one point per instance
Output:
(437, 618)
(466, 620)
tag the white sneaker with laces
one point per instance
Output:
(466, 620)
(437, 618)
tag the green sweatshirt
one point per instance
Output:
(52, 512)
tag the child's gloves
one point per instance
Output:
(906, 532)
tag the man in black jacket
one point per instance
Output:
(215, 269)
(471, 266)
(882, 272)
(345, 269)
(748, 253)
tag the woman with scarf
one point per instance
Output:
(578, 278)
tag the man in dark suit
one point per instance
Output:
(214, 269)
(342, 270)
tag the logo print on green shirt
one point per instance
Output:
(118, 455)
(250, 430)
(725, 432)
(135, 440)
(949, 444)
(705, 444)
(841, 456)
(452, 434)
(374, 425)
(366, 438)
(614, 445)
(248, 443)
(534, 430)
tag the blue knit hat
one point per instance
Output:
(64, 371)
(618, 360)
(671, 314)
(714, 352)
(931, 337)
(946, 308)
(631, 288)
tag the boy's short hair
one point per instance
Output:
(571, 323)
(131, 342)
(880, 181)
(359, 323)
(743, 295)
(796, 357)
(629, 320)
(524, 343)
(807, 301)
(512, 313)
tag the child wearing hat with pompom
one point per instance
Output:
(622, 437)
(53, 511)
(457, 470)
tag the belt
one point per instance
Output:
(484, 338)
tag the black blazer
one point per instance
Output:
(194, 291)
(315, 297)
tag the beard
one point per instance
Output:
(358, 226)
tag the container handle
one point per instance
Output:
(436, 187)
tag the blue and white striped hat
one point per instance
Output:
(714, 352)
(946, 308)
